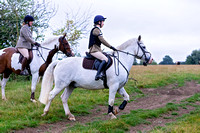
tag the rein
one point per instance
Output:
(134, 55)
(40, 54)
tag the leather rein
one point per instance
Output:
(65, 48)
(134, 55)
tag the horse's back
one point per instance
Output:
(5, 58)
(71, 70)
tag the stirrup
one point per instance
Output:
(97, 77)
(100, 76)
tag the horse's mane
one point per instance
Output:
(126, 44)
(49, 40)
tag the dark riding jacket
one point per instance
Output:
(25, 38)
(96, 38)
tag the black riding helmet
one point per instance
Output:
(28, 18)
(98, 18)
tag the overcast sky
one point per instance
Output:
(167, 27)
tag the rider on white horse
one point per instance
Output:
(25, 41)
(96, 38)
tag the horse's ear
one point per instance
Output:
(139, 38)
(55, 47)
(64, 35)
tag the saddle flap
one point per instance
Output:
(90, 62)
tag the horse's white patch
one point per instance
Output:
(15, 62)
(2, 52)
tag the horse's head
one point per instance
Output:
(65, 47)
(142, 52)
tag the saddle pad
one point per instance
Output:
(88, 64)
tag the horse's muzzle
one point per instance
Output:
(150, 61)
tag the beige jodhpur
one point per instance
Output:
(24, 52)
(100, 56)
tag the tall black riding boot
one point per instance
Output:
(100, 69)
(24, 63)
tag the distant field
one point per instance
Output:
(18, 112)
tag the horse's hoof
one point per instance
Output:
(72, 118)
(112, 116)
(4, 98)
(45, 113)
(116, 111)
(33, 100)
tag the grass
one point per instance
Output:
(18, 112)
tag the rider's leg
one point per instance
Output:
(24, 52)
(104, 59)
(100, 69)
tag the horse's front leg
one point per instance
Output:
(3, 84)
(112, 93)
(67, 92)
(35, 77)
(125, 96)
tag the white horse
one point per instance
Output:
(70, 74)
(9, 61)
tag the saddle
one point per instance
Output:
(92, 63)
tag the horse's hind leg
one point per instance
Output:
(3, 84)
(125, 95)
(52, 95)
(67, 92)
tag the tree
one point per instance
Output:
(167, 60)
(76, 27)
(135, 61)
(154, 62)
(12, 13)
(194, 58)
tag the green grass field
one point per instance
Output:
(18, 112)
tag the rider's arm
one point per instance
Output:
(98, 33)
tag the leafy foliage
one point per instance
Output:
(12, 13)
(194, 58)
(167, 60)
(76, 27)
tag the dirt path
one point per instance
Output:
(155, 98)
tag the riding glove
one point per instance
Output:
(37, 44)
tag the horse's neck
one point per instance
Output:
(48, 46)
(127, 59)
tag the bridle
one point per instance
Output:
(134, 55)
(62, 43)
(66, 48)
(144, 52)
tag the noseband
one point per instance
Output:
(144, 53)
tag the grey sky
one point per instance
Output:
(168, 27)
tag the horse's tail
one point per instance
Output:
(47, 83)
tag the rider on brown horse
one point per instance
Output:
(96, 38)
(25, 41)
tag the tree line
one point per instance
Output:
(194, 58)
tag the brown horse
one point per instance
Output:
(9, 61)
